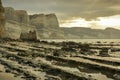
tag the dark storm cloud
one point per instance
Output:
(88, 9)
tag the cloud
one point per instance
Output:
(100, 23)
(65, 9)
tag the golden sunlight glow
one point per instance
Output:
(100, 22)
(109, 21)
(76, 23)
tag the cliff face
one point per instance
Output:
(42, 20)
(52, 21)
(88, 33)
(2, 20)
(17, 22)
(20, 16)
(14, 29)
(38, 20)
(9, 13)
(47, 26)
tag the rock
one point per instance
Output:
(2, 20)
(30, 36)
(116, 76)
(104, 52)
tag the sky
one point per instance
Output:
(97, 14)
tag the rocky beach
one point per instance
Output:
(44, 60)
(27, 51)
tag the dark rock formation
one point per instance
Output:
(30, 36)
(104, 52)
(2, 20)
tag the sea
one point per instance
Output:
(84, 40)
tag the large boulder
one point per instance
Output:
(2, 20)
(30, 36)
